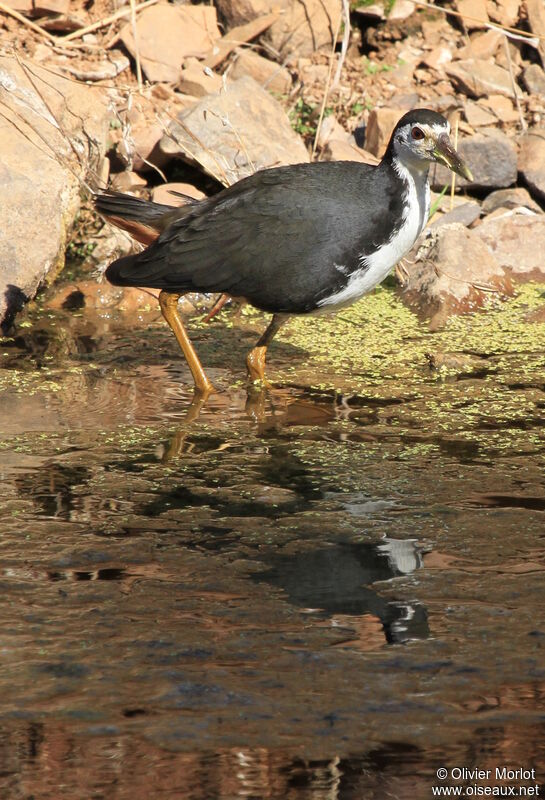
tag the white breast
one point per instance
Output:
(375, 267)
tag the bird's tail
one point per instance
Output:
(142, 219)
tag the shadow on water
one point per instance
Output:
(322, 592)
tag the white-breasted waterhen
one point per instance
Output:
(290, 240)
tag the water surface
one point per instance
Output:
(327, 590)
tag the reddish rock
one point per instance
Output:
(509, 199)
(127, 181)
(303, 26)
(167, 34)
(534, 79)
(22, 6)
(477, 78)
(331, 130)
(503, 107)
(42, 7)
(504, 12)
(197, 80)
(163, 193)
(103, 297)
(269, 74)
(438, 57)
(454, 273)
(379, 129)
(518, 243)
(536, 20)
(342, 150)
(531, 161)
(239, 12)
(474, 12)
(481, 46)
(477, 116)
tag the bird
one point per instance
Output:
(297, 239)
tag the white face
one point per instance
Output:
(418, 141)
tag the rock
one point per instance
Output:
(44, 7)
(454, 362)
(402, 76)
(270, 75)
(110, 243)
(477, 116)
(504, 12)
(536, 21)
(477, 78)
(437, 58)
(167, 34)
(454, 273)
(140, 128)
(341, 150)
(332, 130)
(400, 10)
(22, 6)
(302, 27)
(533, 78)
(235, 132)
(491, 158)
(274, 496)
(464, 214)
(509, 198)
(481, 46)
(127, 181)
(197, 80)
(305, 27)
(163, 193)
(379, 129)
(239, 12)
(502, 107)
(39, 190)
(537, 315)
(518, 243)
(474, 12)
(103, 297)
(93, 69)
(237, 36)
(531, 161)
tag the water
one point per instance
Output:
(329, 590)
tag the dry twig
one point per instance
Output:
(344, 44)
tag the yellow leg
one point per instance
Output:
(255, 361)
(169, 307)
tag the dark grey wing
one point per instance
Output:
(283, 238)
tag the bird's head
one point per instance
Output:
(422, 136)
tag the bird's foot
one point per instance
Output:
(255, 362)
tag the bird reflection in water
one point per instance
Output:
(337, 581)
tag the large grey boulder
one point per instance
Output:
(491, 157)
(53, 130)
(235, 132)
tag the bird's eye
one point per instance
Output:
(417, 133)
